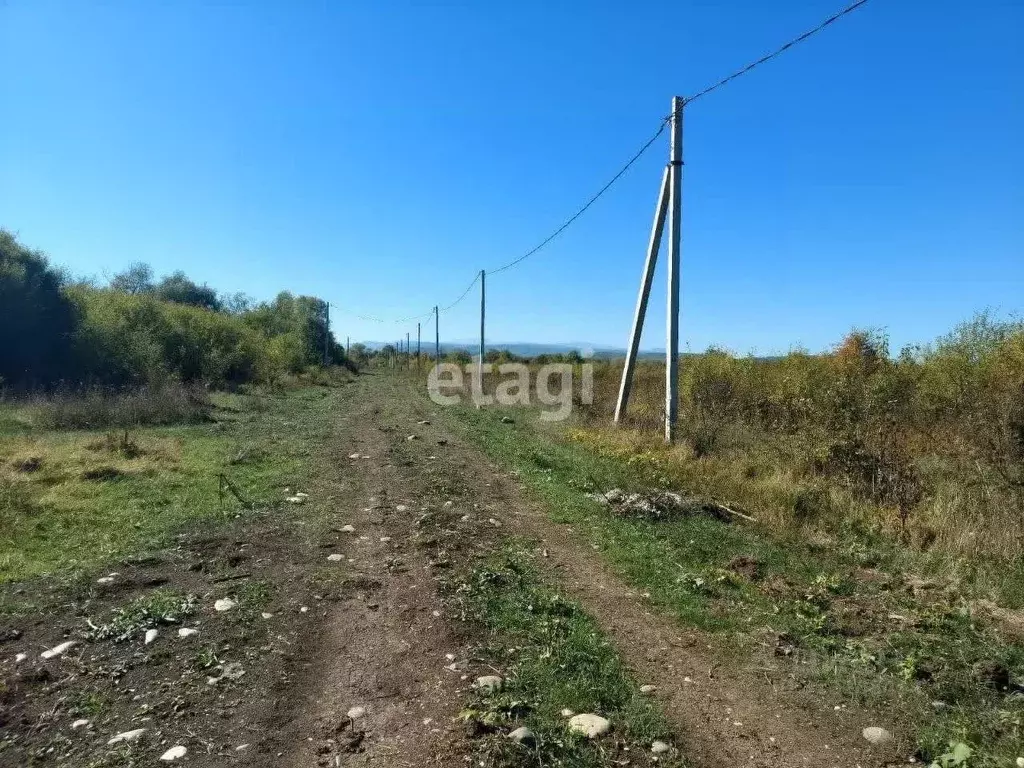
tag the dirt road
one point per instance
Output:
(341, 645)
(387, 648)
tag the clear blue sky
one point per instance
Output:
(377, 154)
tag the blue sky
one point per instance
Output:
(378, 154)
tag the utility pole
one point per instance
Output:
(347, 339)
(653, 246)
(327, 331)
(675, 187)
(483, 304)
(406, 349)
(417, 346)
(437, 336)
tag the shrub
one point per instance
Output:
(97, 408)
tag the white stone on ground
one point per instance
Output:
(20, 658)
(648, 688)
(224, 604)
(401, 508)
(660, 747)
(876, 735)
(296, 499)
(589, 725)
(1020, 762)
(57, 650)
(348, 529)
(173, 754)
(187, 632)
(127, 736)
(335, 558)
(523, 735)
(79, 724)
(353, 455)
(567, 713)
(266, 615)
(356, 712)
(488, 683)
(150, 636)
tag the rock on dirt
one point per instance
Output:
(224, 604)
(58, 650)
(174, 753)
(524, 736)
(127, 736)
(591, 726)
(187, 632)
(660, 747)
(648, 688)
(488, 684)
(876, 735)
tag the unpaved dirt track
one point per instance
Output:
(384, 648)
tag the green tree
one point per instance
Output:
(179, 289)
(37, 322)
(138, 278)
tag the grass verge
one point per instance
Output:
(867, 631)
(73, 499)
(552, 657)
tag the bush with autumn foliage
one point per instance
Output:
(927, 444)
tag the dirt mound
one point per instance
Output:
(661, 505)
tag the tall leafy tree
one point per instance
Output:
(37, 322)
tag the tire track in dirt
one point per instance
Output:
(383, 647)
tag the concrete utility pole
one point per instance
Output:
(669, 204)
(483, 312)
(406, 349)
(327, 332)
(347, 340)
(675, 200)
(653, 246)
(437, 336)
(417, 346)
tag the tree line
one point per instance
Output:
(136, 330)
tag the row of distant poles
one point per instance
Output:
(668, 207)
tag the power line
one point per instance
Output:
(586, 205)
(773, 54)
(464, 294)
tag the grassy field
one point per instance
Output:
(74, 499)
(866, 622)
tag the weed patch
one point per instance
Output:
(552, 657)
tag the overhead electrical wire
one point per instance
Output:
(622, 171)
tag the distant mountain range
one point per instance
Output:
(526, 348)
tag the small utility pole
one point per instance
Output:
(407, 349)
(417, 346)
(483, 306)
(437, 336)
(675, 187)
(327, 331)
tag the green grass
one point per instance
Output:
(552, 656)
(833, 603)
(104, 495)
